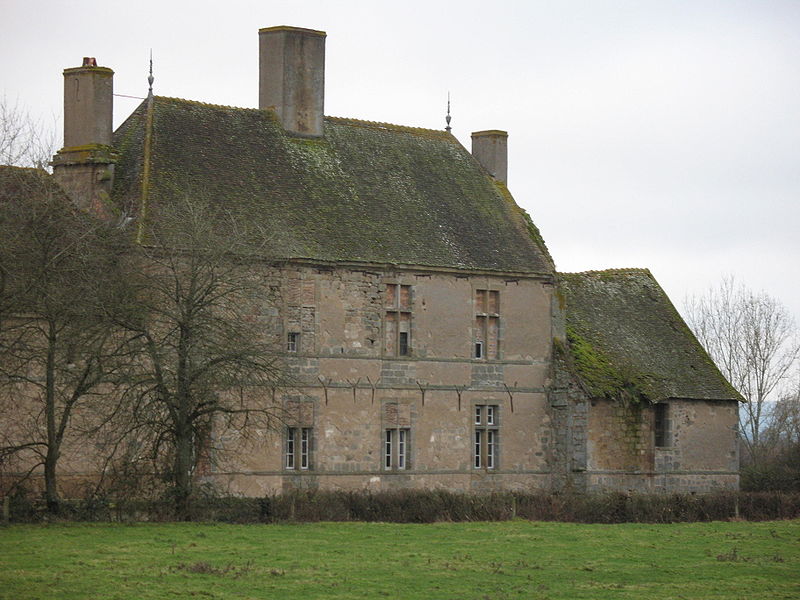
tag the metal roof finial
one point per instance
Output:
(150, 78)
(447, 118)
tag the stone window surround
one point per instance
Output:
(298, 448)
(402, 345)
(483, 320)
(396, 448)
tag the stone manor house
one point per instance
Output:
(432, 341)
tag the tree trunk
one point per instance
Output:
(53, 445)
(50, 481)
(184, 458)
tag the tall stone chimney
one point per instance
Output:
(85, 165)
(490, 148)
(292, 77)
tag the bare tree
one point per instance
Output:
(753, 340)
(57, 351)
(785, 424)
(779, 468)
(201, 315)
(24, 140)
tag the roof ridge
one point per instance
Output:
(201, 103)
(18, 168)
(342, 120)
(612, 271)
(394, 126)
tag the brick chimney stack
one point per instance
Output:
(292, 77)
(490, 148)
(85, 165)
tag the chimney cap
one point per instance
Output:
(490, 132)
(289, 28)
(102, 71)
(89, 61)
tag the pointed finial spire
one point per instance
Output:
(447, 118)
(150, 78)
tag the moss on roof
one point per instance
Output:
(24, 185)
(17, 180)
(626, 339)
(371, 192)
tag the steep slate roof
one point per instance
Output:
(366, 192)
(625, 334)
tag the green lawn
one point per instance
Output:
(517, 559)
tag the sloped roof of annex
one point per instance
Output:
(625, 337)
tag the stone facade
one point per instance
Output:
(550, 434)
(610, 445)
(354, 387)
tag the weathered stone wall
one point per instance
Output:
(87, 183)
(569, 410)
(619, 437)
(605, 445)
(700, 453)
(347, 389)
(342, 368)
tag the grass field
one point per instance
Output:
(516, 559)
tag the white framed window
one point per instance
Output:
(402, 448)
(491, 448)
(298, 438)
(486, 436)
(478, 453)
(486, 328)
(290, 435)
(305, 447)
(396, 448)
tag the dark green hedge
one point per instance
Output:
(422, 506)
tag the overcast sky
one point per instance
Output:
(657, 134)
